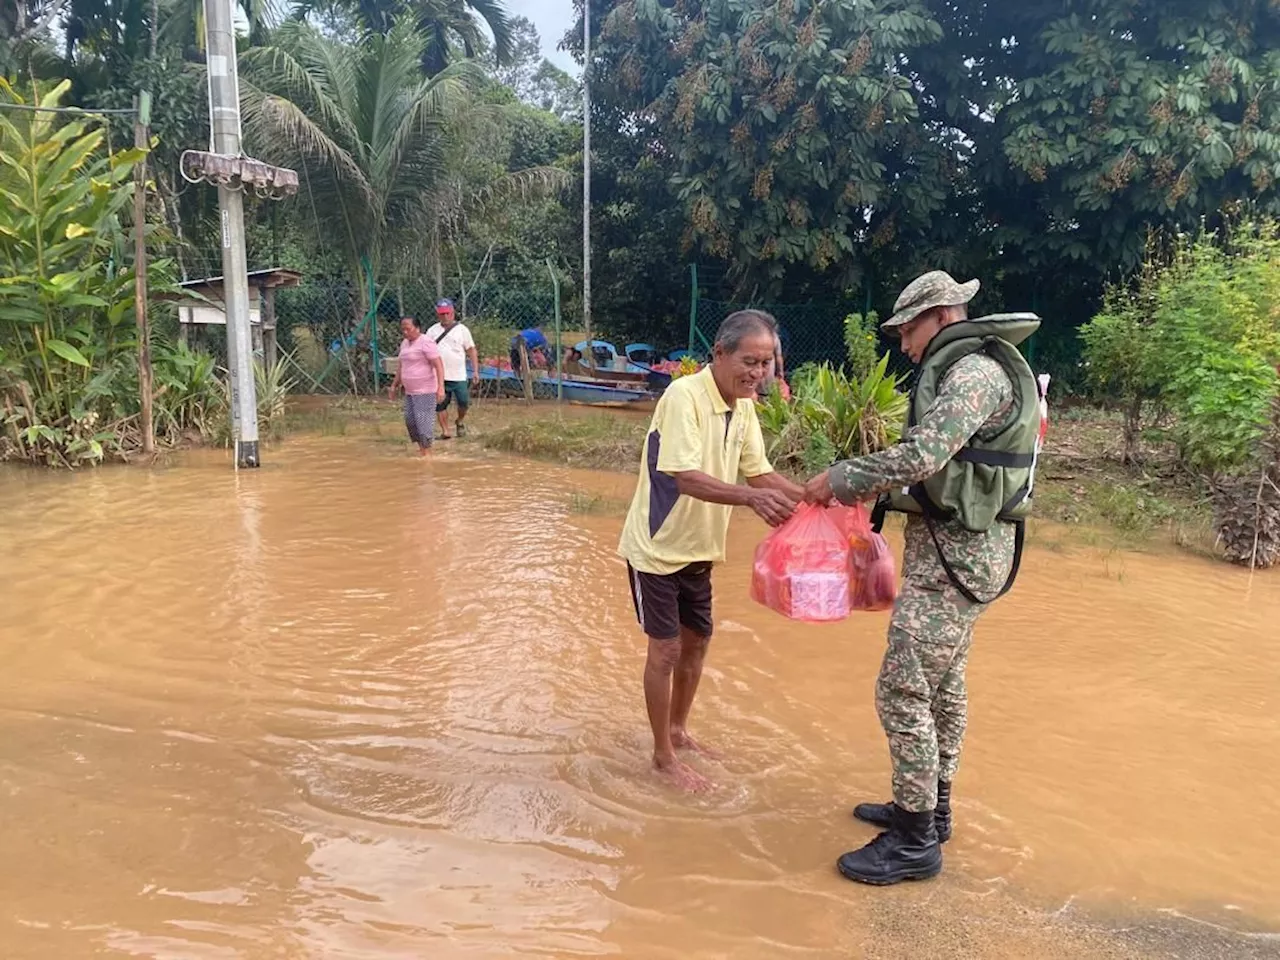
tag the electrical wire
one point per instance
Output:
(81, 111)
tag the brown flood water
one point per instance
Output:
(355, 706)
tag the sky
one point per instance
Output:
(552, 18)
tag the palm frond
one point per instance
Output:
(414, 152)
(302, 66)
(535, 183)
(387, 70)
(291, 133)
(495, 14)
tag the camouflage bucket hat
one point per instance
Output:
(934, 289)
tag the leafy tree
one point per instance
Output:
(531, 77)
(1094, 119)
(500, 202)
(789, 124)
(364, 128)
(1201, 331)
(25, 32)
(179, 121)
(445, 25)
(182, 21)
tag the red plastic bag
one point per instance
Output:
(873, 583)
(802, 568)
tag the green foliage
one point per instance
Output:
(1117, 350)
(69, 392)
(531, 77)
(496, 212)
(1200, 329)
(66, 317)
(1033, 148)
(1218, 332)
(448, 27)
(1125, 113)
(187, 395)
(862, 342)
(782, 121)
(832, 416)
(363, 127)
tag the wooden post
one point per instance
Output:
(526, 374)
(142, 140)
(255, 329)
(269, 342)
(560, 371)
(437, 254)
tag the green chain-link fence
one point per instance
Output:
(814, 332)
(327, 331)
(809, 333)
(325, 328)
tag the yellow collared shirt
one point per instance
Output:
(693, 428)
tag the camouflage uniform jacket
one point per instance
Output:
(975, 396)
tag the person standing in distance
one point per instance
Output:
(457, 346)
(533, 339)
(704, 433)
(963, 474)
(421, 373)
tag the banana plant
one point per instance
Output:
(64, 309)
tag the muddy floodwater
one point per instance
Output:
(351, 705)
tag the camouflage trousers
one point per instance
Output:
(920, 694)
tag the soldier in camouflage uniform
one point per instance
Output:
(920, 694)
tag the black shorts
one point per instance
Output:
(665, 603)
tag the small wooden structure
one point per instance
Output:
(194, 313)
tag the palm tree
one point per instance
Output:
(476, 195)
(444, 21)
(366, 131)
(445, 24)
(183, 20)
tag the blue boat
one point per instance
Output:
(604, 353)
(576, 391)
(642, 353)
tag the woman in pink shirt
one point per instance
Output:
(421, 373)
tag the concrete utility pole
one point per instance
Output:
(224, 121)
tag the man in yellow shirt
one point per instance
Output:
(704, 434)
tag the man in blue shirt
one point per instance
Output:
(533, 340)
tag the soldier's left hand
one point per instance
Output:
(818, 490)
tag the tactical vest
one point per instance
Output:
(989, 479)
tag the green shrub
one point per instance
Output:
(1200, 331)
(862, 342)
(68, 349)
(832, 416)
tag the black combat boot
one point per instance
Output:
(881, 814)
(908, 850)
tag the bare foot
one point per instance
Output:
(682, 776)
(681, 740)
(424, 451)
